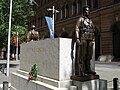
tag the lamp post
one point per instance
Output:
(53, 12)
(9, 32)
(32, 1)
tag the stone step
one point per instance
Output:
(50, 81)
(20, 82)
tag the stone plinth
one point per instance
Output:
(51, 55)
(20, 82)
(85, 78)
(54, 65)
(96, 84)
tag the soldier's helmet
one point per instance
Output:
(86, 8)
(33, 27)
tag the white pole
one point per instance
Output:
(53, 19)
(9, 32)
(17, 47)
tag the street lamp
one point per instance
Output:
(32, 1)
(54, 11)
(9, 32)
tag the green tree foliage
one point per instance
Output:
(21, 9)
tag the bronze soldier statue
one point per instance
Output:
(84, 37)
(32, 35)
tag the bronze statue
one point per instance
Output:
(32, 34)
(84, 37)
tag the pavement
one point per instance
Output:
(14, 65)
(106, 71)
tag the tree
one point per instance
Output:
(20, 11)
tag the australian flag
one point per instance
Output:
(50, 26)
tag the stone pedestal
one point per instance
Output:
(54, 65)
(53, 57)
(90, 82)
(96, 84)
(85, 78)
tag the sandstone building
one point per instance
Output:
(104, 13)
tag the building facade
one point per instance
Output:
(105, 15)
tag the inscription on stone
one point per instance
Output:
(37, 49)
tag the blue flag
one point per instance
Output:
(50, 26)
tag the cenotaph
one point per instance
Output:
(53, 57)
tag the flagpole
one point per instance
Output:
(9, 32)
(54, 11)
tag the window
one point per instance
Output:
(116, 1)
(44, 21)
(79, 7)
(57, 15)
(49, 13)
(70, 10)
(89, 3)
(67, 11)
(74, 8)
(47, 1)
(63, 12)
(41, 21)
(37, 21)
(95, 4)
(43, 2)
(38, 2)
(33, 22)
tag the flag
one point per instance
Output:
(50, 26)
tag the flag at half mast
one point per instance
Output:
(50, 26)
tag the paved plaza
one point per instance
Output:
(107, 71)
(14, 65)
